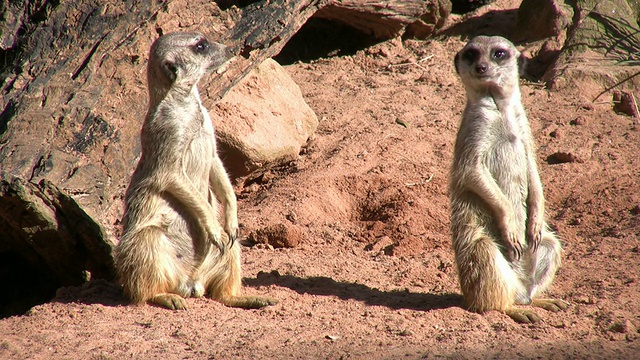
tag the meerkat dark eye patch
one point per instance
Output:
(470, 55)
(500, 54)
(201, 47)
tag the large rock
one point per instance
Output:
(263, 120)
(602, 46)
(546, 20)
(540, 19)
(46, 241)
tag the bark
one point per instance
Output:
(388, 19)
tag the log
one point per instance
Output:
(261, 33)
(388, 19)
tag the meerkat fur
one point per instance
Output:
(173, 246)
(505, 253)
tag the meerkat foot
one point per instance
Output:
(170, 301)
(523, 316)
(198, 290)
(248, 302)
(553, 305)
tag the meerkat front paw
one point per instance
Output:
(214, 233)
(234, 234)
(535, 224)
(511, 241)
(233, 231)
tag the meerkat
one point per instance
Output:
(505, 253)
(173, 246)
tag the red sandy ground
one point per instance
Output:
(373, 277)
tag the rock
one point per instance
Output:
(580, 120)
(623, 327)
(431, 21)
(15, 17)
(383, 244)
(540, 19)
(600, 47)
(263, 120)
(466, 6)
(47, 241)
(277, 235)
(625, 102)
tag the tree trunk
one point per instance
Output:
(388, 19)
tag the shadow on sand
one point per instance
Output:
(110, 294)
(325, 286)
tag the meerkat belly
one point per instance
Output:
(508, 166)
(180, 225)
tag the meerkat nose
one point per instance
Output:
(481, 68)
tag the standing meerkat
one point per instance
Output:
(173, 246)
(504, 251)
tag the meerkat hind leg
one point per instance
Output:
(547, 262)
(224, 283)
(170, 301)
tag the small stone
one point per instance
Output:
(380, 244)
(583, 299)
(277, 236)
(625, 103)
(580, 120)
(623, 327)
(559, 324)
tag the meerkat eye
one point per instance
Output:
(201, 46)
(499, 54)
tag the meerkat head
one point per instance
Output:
(489, 62)
(180, 59)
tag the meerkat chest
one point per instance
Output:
(507, 132)
(200, 148)
(507, 158)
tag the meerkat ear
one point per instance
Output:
(522, 65)
(171, 70)
(455, 62)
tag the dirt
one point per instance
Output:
(371, 273)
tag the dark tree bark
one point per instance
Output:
(388, 19)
